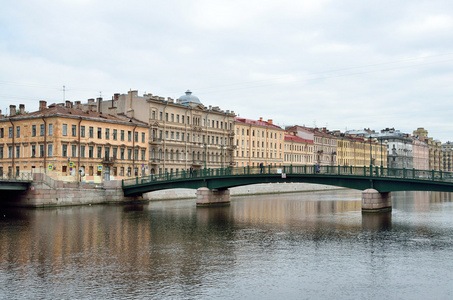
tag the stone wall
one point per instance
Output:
(264, 188)
(46, 191)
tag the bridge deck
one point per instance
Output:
(379, 178)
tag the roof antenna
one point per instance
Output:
(64, 93)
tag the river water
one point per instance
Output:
(289, 246)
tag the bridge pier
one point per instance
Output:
(215, 197)
(374, 201)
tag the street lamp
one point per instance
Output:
(382, 160)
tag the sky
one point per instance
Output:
(344, 65)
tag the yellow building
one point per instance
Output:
(298, 151)
(70, 144)
(183, 133)
(358, 151)
(257, 142)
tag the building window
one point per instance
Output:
(41, 131)
(90, 151)
(64, 150)
(136, 137)
(107, 133)
(82, 131)
(10, 151)
(33, 130)
(166, 116)
(99, 133)
(122, 153)
(99, 152)
(82, 151)
(49, 150)
(91, 132)
(143, 154)
(136, 154)
(41, 150)
(50, 129)
(17, 151)
(73, 150)
(18, 131)
(115, 152)
(65, 129)
(74, 130)
(129, 136)
(115, 134)
(122, 135)
(10, 132)
(129, 154)
(143, 137)
(172, 117)
(33, 151)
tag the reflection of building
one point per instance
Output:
(183, 133)
(325, 143)
(298, 151)
(258, 142)
(435, 146)
(62, 141)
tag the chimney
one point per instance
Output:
(270, 121)
(116, 96)
(261, 118)
(42, 105)
(22, 109)
(68, 104)
(12, 110)
(78, 104)
(99, 101)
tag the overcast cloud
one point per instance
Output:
(340, 64)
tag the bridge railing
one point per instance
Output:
(365, 171)
(16, 177)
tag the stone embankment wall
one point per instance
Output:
(257, 189)
(46, 191)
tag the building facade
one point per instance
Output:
(324, 143)
(434, 146)
(70, 144)
(183, 133)
(297, 151)
(257, 142)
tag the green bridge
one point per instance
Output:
(376, 182)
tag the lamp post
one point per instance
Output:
(382, 160)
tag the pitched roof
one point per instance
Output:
(290, 137)
(256, 123)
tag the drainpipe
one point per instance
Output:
(79, 174)
(45, 144)
(13, 150)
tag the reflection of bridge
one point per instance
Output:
(376, 182)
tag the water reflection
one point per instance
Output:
(296, 243)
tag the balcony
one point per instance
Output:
(197, 163)
(154, 161)
(108, 160)
(156, 141)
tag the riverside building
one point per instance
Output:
(324, 143)
(258, 141)
(70, 144)
(183, 133)
(298, 151)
